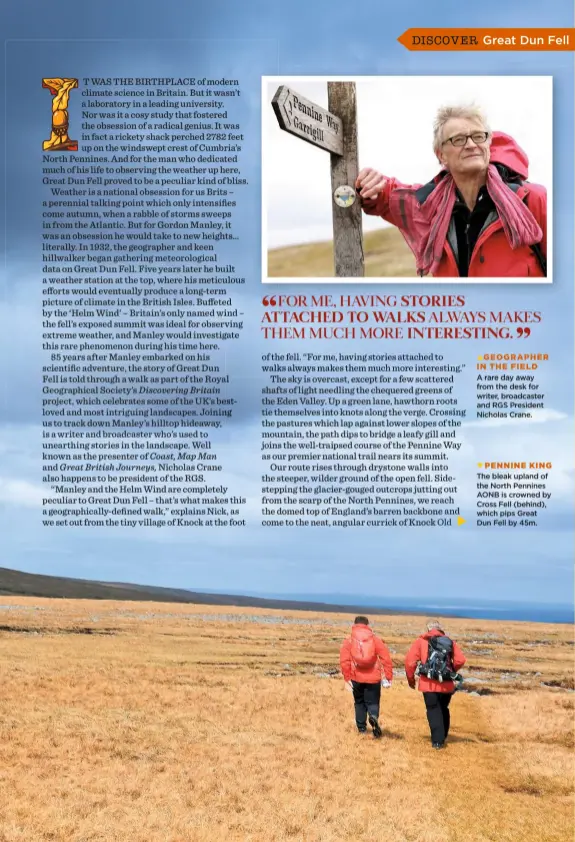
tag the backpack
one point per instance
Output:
(541, 259)
(363, 652)
(439, 664)
(514, 181)
(536, 247)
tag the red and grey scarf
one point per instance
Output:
(427, 232)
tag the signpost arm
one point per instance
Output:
(347, 230)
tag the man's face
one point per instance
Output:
(470, 159)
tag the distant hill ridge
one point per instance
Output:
(386, 256)
(18, 583)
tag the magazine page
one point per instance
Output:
(286, 431)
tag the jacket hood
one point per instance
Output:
(506, 151)
(433, 633)
(361, 630)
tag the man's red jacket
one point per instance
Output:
(418, 653)
(492, 255)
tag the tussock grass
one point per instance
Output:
(189, 725)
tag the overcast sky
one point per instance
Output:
(395, 116)
(522, 564)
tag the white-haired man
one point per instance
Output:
(439, 658)
(479, 216)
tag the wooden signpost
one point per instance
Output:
(336, 132)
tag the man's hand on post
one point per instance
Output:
(370, 183)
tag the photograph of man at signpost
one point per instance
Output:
(407, 177)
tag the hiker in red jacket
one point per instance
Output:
(479, 217)
(440, 658)
(366, 667)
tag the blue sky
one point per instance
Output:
(248, 41)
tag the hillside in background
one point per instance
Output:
(386, 256)
(17, 583)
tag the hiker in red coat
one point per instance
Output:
(439, 658)
(479, 217)
(366, 667)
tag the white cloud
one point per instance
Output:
(18, 492)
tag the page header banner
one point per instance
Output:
(488, 39)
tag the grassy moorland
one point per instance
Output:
(124, 722)
(386, 256)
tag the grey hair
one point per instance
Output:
(434, 624)
(448, 112)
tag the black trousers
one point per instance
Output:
(437, 707)
(366, 698)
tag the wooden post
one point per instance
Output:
(347, 223)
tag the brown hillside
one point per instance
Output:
(18, 583)
(386, 256)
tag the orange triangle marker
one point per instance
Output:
(460, 520)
